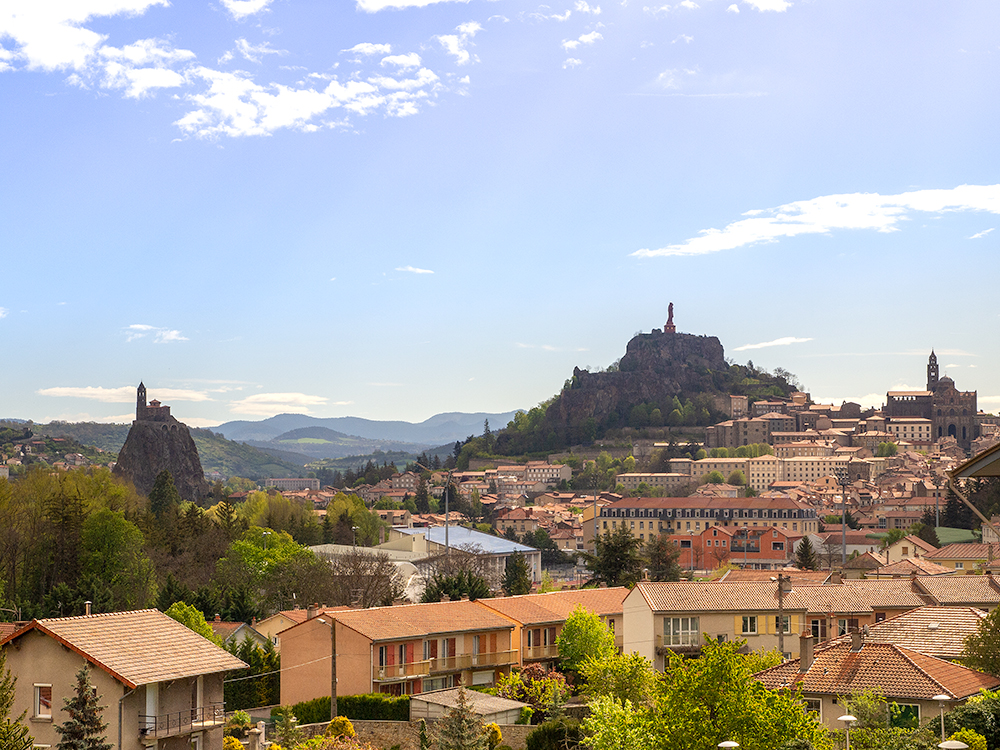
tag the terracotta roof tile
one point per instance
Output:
(936, 631)
(898, 672)
(138, 647)
(957, 590)
(836, 598)
(418, 620)
(738, 596)
(965, 551)
(890, 593)
(914, 565)
(556, 606)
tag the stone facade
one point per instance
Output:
(952, 412)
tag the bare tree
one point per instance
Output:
(363, 578)
(465, 558)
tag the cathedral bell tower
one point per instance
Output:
(140, 401)
(932, 372)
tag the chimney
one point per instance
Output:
(218, 617)
(311, 611)
(836, 577)
(805, 651)
(856, 641)
(87, 607)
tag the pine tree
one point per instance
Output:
(84, 729)
(516, 576)
(164, 496)
(462, 728)
(805, 556)
(13, 734)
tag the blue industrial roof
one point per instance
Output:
(460, 536)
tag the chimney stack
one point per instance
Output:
(87, 607)
(856, 641)
(311, 611)
(836, 577)
(218, 617)
(805, 651)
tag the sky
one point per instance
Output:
(396, 208)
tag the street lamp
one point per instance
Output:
(355, 530)
(266, 535)
(953, 745)
(844, 480)
(941, 698)
(729, 743)
(848, 720)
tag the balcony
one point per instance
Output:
(391, 672)
(471, 661)
(182, 722)
(535, 653)
(693, 646)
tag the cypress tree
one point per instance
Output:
(83, 730)
(462, 728)
(805, 556)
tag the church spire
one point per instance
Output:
(932, 372)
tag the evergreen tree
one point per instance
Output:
(516, 576)
(805, 556)
(171, 592)
(83, 730)
(462, 728)
(616, 561)
(422, 500)
(164, 496)
(661, 557)
(13, 734)
(982, 648)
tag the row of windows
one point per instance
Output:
(698, 513)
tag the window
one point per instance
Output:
(905, 715)
(749, 625)
(680, 631)
(814, 706)
(787, 620)
(959, 566)
(43, 702)
(818, 628)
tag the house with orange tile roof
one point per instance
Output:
(404, 649)
(935, 631)
(160, 682)
(909, 678)
(540, 618)
(965, 556)
(912, 566)
(910, 546)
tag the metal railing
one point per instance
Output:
(182, 722)
(468, 661)
(540, 652)
(401, 671)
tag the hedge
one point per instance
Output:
(372, 707)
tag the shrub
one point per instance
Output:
(340, 727)
(493, 735)
(371, 707)
(231, 743)
(238, 725)
(558, 734)
(970, 737)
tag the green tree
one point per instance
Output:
(164, 496)
(84, 729)
(516, 576)
(716, 697)
(461, 728)
(805, 556)
(112, 552)
(540, 689)
(736, 478)
(462, 583)
(618, 725)
(661, 555)
(13, 733)
(422, 499)
(982, 648)
(623, 677)
(617, 561)
(713, 477)
(891, 537)
(193, 619)
(584, 636)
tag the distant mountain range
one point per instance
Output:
(391, 435)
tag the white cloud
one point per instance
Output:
(411, 269)
(590, 38)
(160, 335)
(405, 62)
(785, 341)
(454, 44)
(122, 395)
(367, 48)
(374, 6)
(269, 404)
(951, 365)
(823, 215)
(773, 5)
(572, 62)
(689, 4)
(734, 8)
(980, 235)
(242, 8)
(583, 7)
(3, 312)
(564, 17)
(549, 347)
(683, 38)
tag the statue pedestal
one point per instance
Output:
(670, 328)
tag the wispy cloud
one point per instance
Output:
(138, 331)
(590, 38)
(269, 404)
(980, 235)
(584, 7)
(3, 312)
(826, 214)
(777, 6)
(572, 62)
(367, 48)
(734, 8)
(252, 52)
(122, 395)
(374, 6)
(784, 341)
(411, 269)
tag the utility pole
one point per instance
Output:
(844, 480)
(333, 667)
(782, 580)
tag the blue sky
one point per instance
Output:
(394, 208)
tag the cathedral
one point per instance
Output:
(952, 412)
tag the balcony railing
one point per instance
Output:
(692, 645)
(469, 661)
(533, 653)
(182, 722)
(401, 671)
